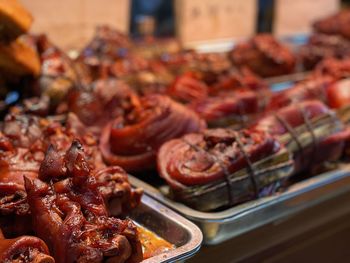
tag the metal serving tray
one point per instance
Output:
(220, 226)
(177, 230)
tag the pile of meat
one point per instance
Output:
(53, 183)
(329, 40)
(208, 124)
(173, 126)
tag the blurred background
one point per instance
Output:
(163, 14)
(190, 21)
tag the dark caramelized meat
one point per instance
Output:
(264, 55)
(24, 249)
(337, 24)
(23, 142)
(100, 103)
(322, 46)
(70, 215)
(108, 55)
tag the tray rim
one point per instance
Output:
(179, 253)
(241, 210)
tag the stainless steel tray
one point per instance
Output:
(170, 226)
(220, 226)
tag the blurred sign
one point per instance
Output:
(297, 16)
(71, 24)
(220, 20)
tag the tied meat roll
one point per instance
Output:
(24, 249)
(69, 212)
(311, 131)
(132, 140)
(222, 167)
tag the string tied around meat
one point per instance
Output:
(250, 168)
(310, 129)
(291, 132)
(224, 169)
(295, 136)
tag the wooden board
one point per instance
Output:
(297, 16)
(207, 20)
(70, 24)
